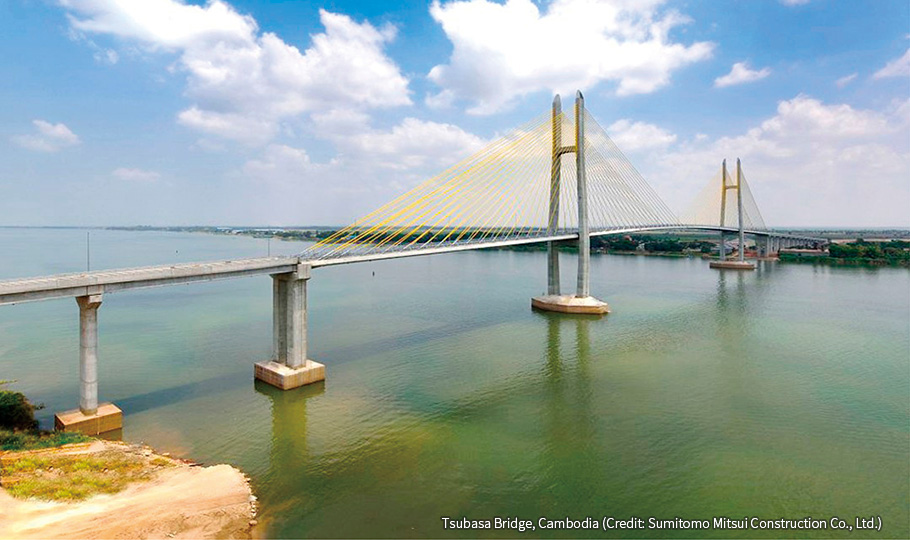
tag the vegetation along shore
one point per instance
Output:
(67, 485)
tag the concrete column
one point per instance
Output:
(722, 252)
(553, 223)
(296, 321)
(289, 317)
(289, 366)
(279, 317)
(584, 240)
(739, 209)
(88, 353)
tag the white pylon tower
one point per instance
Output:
(581, 301)
(741, 263)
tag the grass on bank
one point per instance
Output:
(32, 465)
(15, 441)
(68, 477)
(59, 476)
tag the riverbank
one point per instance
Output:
(103, 489)
(833, 261)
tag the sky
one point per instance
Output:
(241, 112)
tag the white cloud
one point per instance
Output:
(135, 175)
(243, 83)
(632, 136)
(810, 164)
(413, 144)
(899, 67)
(741, 74)
(106, 56)
(372, 167)
(794, 2)
(845, 80)
(50, 137)
(505, 51)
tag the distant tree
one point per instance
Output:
(15, 410)
(664, 246)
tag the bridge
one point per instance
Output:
(520, 189)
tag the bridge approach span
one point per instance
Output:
(108, 281)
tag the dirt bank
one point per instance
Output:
(172, 499)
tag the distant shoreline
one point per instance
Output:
(833, 233)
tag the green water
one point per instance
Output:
(780, 393)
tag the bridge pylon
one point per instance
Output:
(581, 301)
(740, 263)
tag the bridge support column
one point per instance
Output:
(583, 289)
(740, 263)
(553, 221)
(582, 301)
(90, 418)
(289, 366)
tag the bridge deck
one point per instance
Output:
(106, 281)
(85, 283)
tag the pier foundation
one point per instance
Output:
(570, 303)
(90, 418)
(732, 265)
(289, 367)
(107, 417)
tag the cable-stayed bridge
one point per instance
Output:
(558, 178)
(521, 189)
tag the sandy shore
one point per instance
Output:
(183, 501)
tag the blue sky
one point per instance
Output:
(174, 112)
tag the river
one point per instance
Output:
(778, 393)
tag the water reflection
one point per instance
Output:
(731, 301)
(569, 444)
(289, 442)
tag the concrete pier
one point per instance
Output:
(89, 418)
(289, 366)
(583, 289)
(582, 302)
(553, 221)
(740, 263)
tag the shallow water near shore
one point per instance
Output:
(778, 393)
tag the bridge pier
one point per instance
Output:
(740, 263)
(581, 301)
(289, 366)
(90, 418)
(553, 221)
(761, 246)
